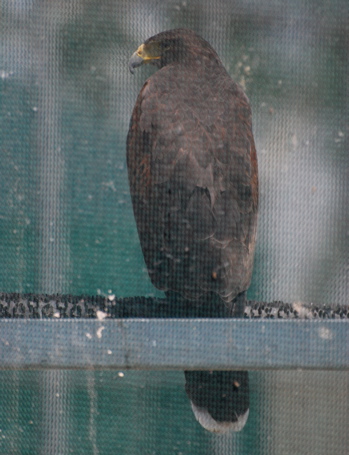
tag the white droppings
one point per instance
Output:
(101, 315)
(325, 334)
(109, 352)
(294, 140)
(109, 185)
(99, 332)
(89, 336)
(5, 74)
(303, 312)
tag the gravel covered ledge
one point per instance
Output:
(38, 306)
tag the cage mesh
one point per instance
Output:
(68, 229)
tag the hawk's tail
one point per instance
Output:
(219, 399)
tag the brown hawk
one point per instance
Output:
(192, 169)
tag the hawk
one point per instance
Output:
(193, 178)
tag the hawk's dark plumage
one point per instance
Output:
(193, 171)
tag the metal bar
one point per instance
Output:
(174, 344)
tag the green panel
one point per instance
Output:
(103, 412)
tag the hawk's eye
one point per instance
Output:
(165, 45)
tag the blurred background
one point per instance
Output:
(66, 221)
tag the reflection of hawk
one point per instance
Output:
(193, 177)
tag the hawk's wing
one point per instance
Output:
(193, 177)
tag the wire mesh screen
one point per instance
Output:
(67, 223)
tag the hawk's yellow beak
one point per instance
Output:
(146, 53)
